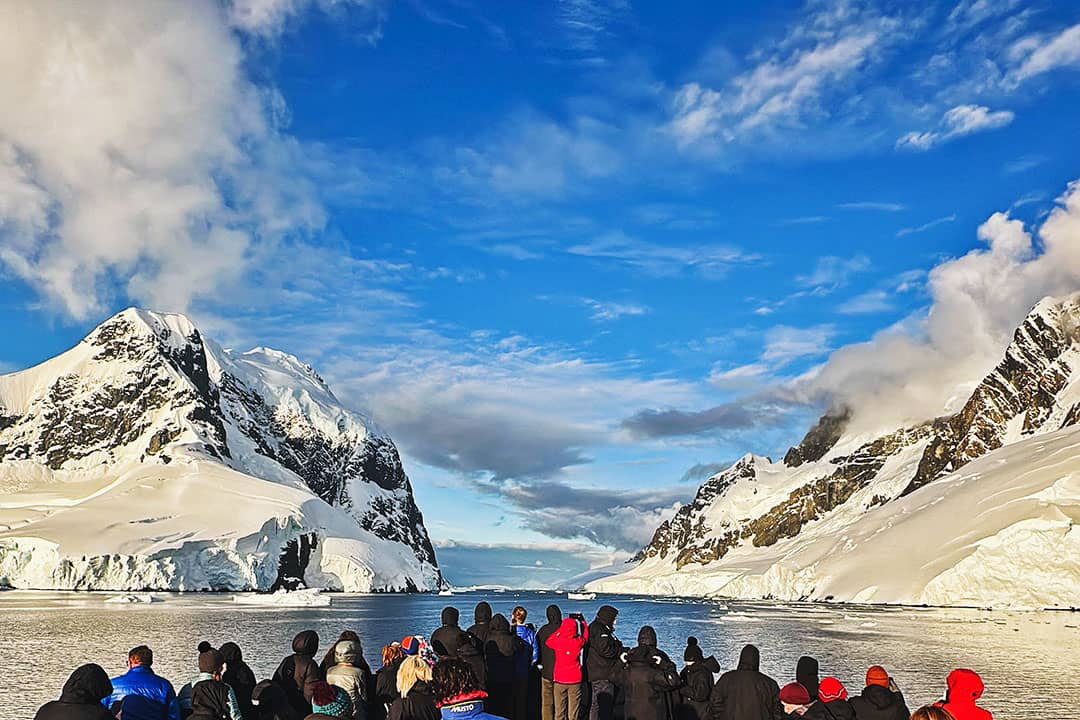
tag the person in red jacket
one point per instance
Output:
(567, 642)
(965, 687)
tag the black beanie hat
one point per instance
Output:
(204, 646)
(607, 614)
(693, 651)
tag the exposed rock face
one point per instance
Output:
(820, 439)
(831, 480)
(145, 390)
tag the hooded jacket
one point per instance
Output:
(298, 672)
(649, 680)
(965, 688)
(501, 651)
(239, 677)
(350, 677)
(526, 660)
(878, 702)
(270, 702)
(697, 684)
(806, 674)
(418, 704)
(81, 697)
(482, 626)
(467, 709)
(446, 639)
(547, 654)
(211, 700)
(566, 645)
(386, 691)
(746, 693)
(154, 694)
(604, 649)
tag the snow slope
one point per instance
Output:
(147, 457)
(978, 508)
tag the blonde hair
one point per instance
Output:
(932, 712)
(412, 670)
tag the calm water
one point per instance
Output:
(1028, 660)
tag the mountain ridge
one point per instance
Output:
(743, 533)
(145, 395)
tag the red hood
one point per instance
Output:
(568, 626)
(964, 686)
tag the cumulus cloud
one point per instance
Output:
(957, 122)
(134, 151)
(924, 366)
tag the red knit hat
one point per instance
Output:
(876, 675)
(794, 694)
(830, 689)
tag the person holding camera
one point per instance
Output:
(568, 643)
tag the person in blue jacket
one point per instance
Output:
(457, 692)
(139, 693)
(524, 663)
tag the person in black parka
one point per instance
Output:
(806, 674)
(602, 663)
(446, 639)
(746, 693)
(501, 651)
(298, 673)
(239, 677)
(650, 680)
(482, 626)
(271, 703)
(697, 682)
(81, 697)
(386, 691)
(547, 663)
(833, 697)
(209, 701)
(880, 699)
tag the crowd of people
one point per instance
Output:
(568, 669)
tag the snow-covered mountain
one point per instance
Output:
(147, 457)
(977, 508)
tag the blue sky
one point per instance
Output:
(573, 255)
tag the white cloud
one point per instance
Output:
(874, 301)
(903, 232)
(1041, 55)
(532, 156)
(956, 123)
(924, 366)
(785, 344)
(134, 149)
(820, 54)
(832, 271)
(708, 259)
(873, 205)
(269, 17)
(603, 311)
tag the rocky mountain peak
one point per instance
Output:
(147, 388)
